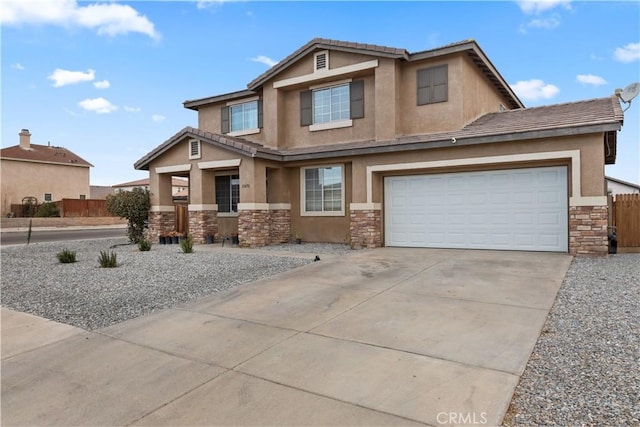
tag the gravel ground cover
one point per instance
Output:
(585, 367)
(84, 295)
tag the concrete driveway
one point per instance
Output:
(389, 336)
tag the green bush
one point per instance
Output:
(66, 256)
(133, 205)
(48, 210)
(144, 245)
(107, 259)
(186, 245)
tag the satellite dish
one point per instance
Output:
(630, 92)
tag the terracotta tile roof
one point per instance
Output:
(44, 154)
(320, 43)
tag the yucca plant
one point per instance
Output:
(144, 245)
(186, 245)
(66, 256)
(107, 259)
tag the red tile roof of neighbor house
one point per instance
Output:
(602, 115)
(175, 182)
(44, 154)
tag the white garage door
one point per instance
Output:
(517, 209)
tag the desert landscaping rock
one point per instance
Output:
(84, 295)
(584, 370)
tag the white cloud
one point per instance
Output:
(205, 4)
(264, 60)
(545, 23)
(628, 53)
(590, 79)
(104, 84)
(98, 105)
(107, 19)
(17, 66)
(62, 77)
(536, 7)
(534, 89)
(131, 109)
(158, 118)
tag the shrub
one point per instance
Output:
(107, 259)
(66, 256)
(186, 245)
(133, 205)
(47, 210)
(144, 245)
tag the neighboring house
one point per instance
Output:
(179, 185)
(100, 192)
(377, 146)
(618, 186)
(45, 172)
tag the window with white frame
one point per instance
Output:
(331, 104)
(227, 193)
(47, 197)
(323, 190)
(244, 116)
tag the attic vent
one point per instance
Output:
(321, 60)
(502, 108)
(194, 149)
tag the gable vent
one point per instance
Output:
(194, 149)
(321, 60)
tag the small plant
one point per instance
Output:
(186, 245)
(48, 210)
(66, 256)
(107, 259)
(144, 245)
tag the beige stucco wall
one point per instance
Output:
(485, 98)
(21, 179)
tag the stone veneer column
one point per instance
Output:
(202, 224)
(253, 227)
(279, 225)
(161, 223)
(588, 230)
(366, 228)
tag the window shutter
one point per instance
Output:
(260, 118)
(224, 120)
(306, 109)
(439, 84)
(432, 85)
(356, 95)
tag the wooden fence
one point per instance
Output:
(78, 207)
(626, 216)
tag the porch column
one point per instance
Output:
(253, 210)
(203, 210)
(365, 228)
(162, 215)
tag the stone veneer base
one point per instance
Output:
(588, 230)
(161, 223)
(366, 228)
(202, 224)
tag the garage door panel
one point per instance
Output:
(521, 209)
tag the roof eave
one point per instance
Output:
(193, 104)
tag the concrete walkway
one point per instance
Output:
(379, 337)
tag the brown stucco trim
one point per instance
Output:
(193, 104)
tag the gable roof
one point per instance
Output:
(602, 115)
(621, 182)
(469, 47)
(44, 154)
(175, 182)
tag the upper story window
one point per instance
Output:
(432, 85)
(322, 191)
(242, 118)
(329, 107)
(331, 104)
(47, 197)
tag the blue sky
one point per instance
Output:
(107, 79)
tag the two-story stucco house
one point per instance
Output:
(375, 146)
(45, 172)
